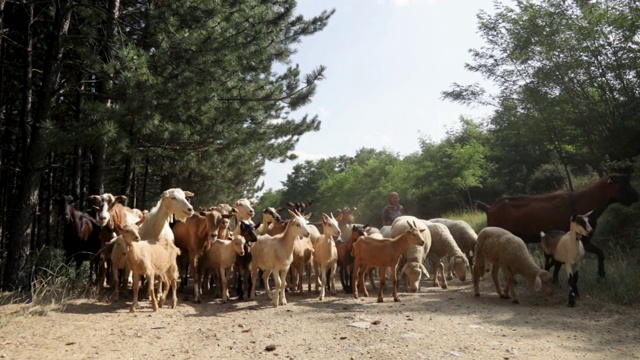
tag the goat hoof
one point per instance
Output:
(396, 299)
(476, 294)
(380, 300)
(504, 296)
(516, 301)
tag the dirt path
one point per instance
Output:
(434, 324)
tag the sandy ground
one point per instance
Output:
(433, 324)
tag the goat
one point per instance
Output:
(383, 253)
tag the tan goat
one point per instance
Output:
(325, 255)
(383, 253)
(274, 254)
(145, 258)
(220, 254)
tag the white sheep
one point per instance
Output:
(463, 234)
(149, 258)
(443, 245)
(415, 255)
(325, 255)
(220, 254)
(274, 254)
(508, 253)
(384, 253)
(569, 251)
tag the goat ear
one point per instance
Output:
(587, 214)
(404, 268)
(202, 213)
(291, 205)
(339, 218)
(325, 218)
(537, 285)
(188, 194)
(308, 216)
(279, 209)
(310, 202)
(122, 199)
(573, 218)
(292, 213)
(227, 216)
(424, 270)
(91, 198)
(141, 221)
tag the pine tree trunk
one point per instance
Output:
(96, 176)
(20, 232)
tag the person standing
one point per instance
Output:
(392, 210)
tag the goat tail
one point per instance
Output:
(482, 206)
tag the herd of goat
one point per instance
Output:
(172, 243)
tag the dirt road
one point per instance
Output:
(434, 324)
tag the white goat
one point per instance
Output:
(274, 254)
(325, 255)
(570, 251)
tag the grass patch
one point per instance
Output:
(53, 284)
(477, 219)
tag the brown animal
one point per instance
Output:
(527, 216)
(192, 236)
(345, 258)
(383, 253)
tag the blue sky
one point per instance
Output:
(387, 63)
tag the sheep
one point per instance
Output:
(463, 234)
(274, 254)
(414, 256)
(386, 231)
(149, 258)
(569, 251)
(509, 253)
(221, 254)
(443, 245)
(325, 255)
(383, 253)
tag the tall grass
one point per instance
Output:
(53, 283)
